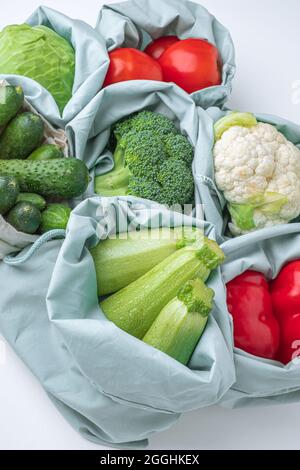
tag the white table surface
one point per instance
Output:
(267, 37)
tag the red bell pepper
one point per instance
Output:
(285, 293)
(256, 329)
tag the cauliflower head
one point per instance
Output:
(258, 171)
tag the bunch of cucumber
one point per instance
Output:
(32, 173)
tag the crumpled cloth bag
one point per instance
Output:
(111, 387)
(91, 67)
(261, 382)
(135, 23)
(212, 199)
(89, 133)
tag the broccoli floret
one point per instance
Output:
(141, 158)
(145, 188)
(179, 148)
(153, 122)
(177, 181)
(152, 161)
(122, 127)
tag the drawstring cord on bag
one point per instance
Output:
(19, 259)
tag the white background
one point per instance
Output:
(267, 39)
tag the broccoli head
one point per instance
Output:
(152, 160)
(177, 182)
(141, 158)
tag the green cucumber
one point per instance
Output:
(46, 152)
(9, 190)
(11, 101)
(64, 178)
(34, 199)
(21, 136)
(55, 217)
(25, 217)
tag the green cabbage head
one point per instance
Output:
(39, 53)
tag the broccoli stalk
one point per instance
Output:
(179, 326)
(114, 183)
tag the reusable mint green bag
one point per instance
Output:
(89, 132)
(135, 23)
(110, 386)
(90, 67)
(214, 204)
(261, 382)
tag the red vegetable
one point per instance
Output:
(256, 329)
(285, 292)
(157, 47)
(131, 64)
(290, 339)
(193, 64)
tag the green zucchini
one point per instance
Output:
(134, 308)
(121, 260)
(9, 190)
(64, 178)
(11, 101)
(179, 326)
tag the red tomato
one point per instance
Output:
(157, 47)
(131, 64)
(193, 64)
(289, 349)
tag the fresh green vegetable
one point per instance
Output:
(122, 260)
(22, 135)
(34, 199)
(179, 326)
(56, 216)
(63, 178)
(47, 152)
(258, 171)
(11, 101)
(9, 190)
(24, 217)
(268, 204)
(152, 160)
(134, 308)
(41, 54)
(234, 119)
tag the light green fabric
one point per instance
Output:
(136, 22)
(259, 381)
(91, 67)
(214, 204)
(110, 386)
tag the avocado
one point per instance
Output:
(22, 135)
(11, 101)
(34, 199)
(9, 190)
(47, 152)
(24, 217)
